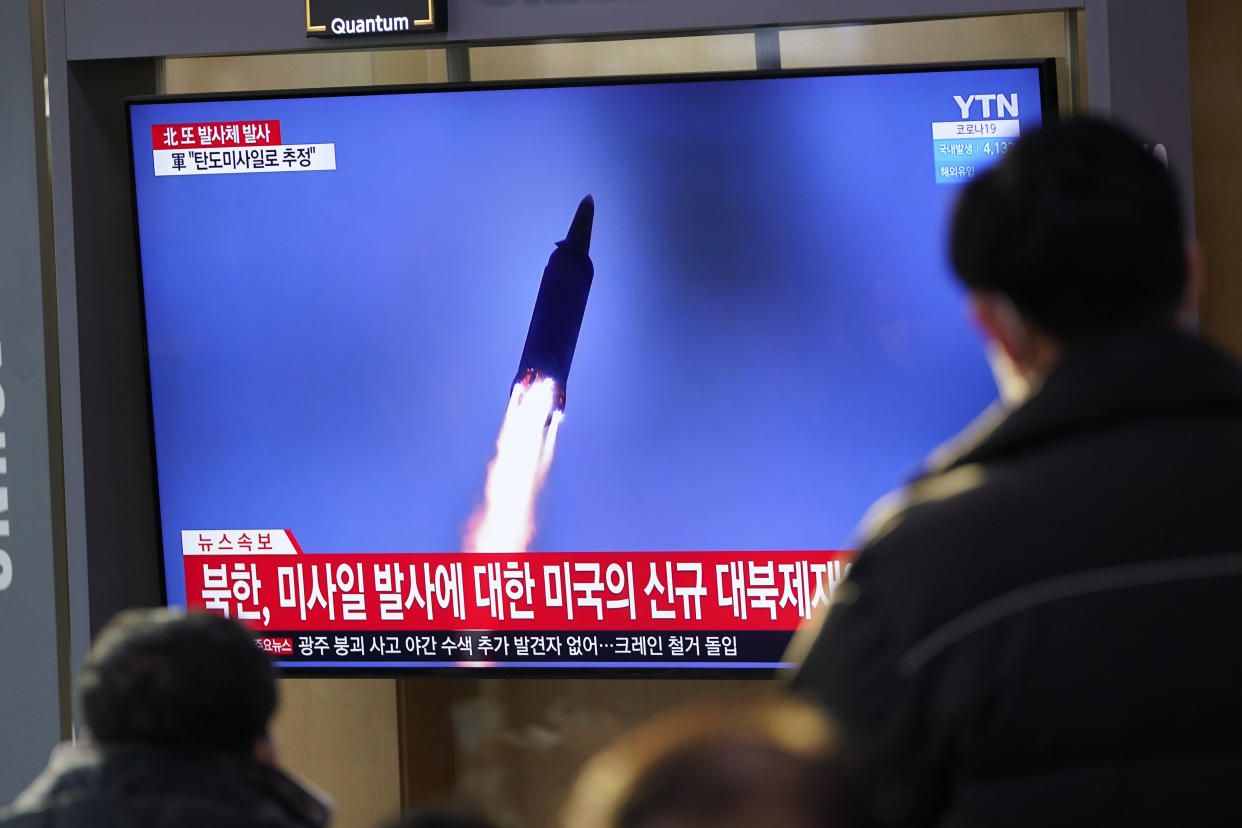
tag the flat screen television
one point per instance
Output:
(338, 287)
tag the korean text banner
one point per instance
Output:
(450, 604)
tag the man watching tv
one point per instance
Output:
(1044, 628)
(177, 708)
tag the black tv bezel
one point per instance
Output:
(1049, 113)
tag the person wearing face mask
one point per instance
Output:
(1043, 627)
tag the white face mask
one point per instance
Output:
(1014, 388)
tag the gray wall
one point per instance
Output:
(141, 28)
(123, 569)
(31, 694)
(1137, 62)
(1149, 79)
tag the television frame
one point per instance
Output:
(1049, 113)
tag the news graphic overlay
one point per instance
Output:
(988, 126)
(233, 147)
(368, 444)
(518, 610)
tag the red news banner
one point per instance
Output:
(233, 148)
(215, 135)
(261, 577)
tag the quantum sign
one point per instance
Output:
(349, 18)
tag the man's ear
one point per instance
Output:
(1003, 326)
(1192, 293)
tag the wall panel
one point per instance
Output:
(341, 734)
(1215, 93)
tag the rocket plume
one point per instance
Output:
(505, 522)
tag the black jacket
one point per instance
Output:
(141, 787)
(1046, 630)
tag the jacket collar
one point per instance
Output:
(1123, 377)
(80, 768)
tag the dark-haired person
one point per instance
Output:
(759, 765)
(441, 818)
(177, 706)
(1044, 629)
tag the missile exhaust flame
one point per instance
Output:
(505, 522)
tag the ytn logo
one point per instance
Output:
(1004, 104)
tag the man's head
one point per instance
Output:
(160, 677)
(1076, 232)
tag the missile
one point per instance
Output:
(557, 317)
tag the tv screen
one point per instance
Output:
(418, 403)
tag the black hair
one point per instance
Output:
(442, 818)
(162, 677)
(697, 765)
(1080, 226)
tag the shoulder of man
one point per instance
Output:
(25, 819)
(129, 785)
(917, 546)
(920, 543)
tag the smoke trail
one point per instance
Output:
(505, 522)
